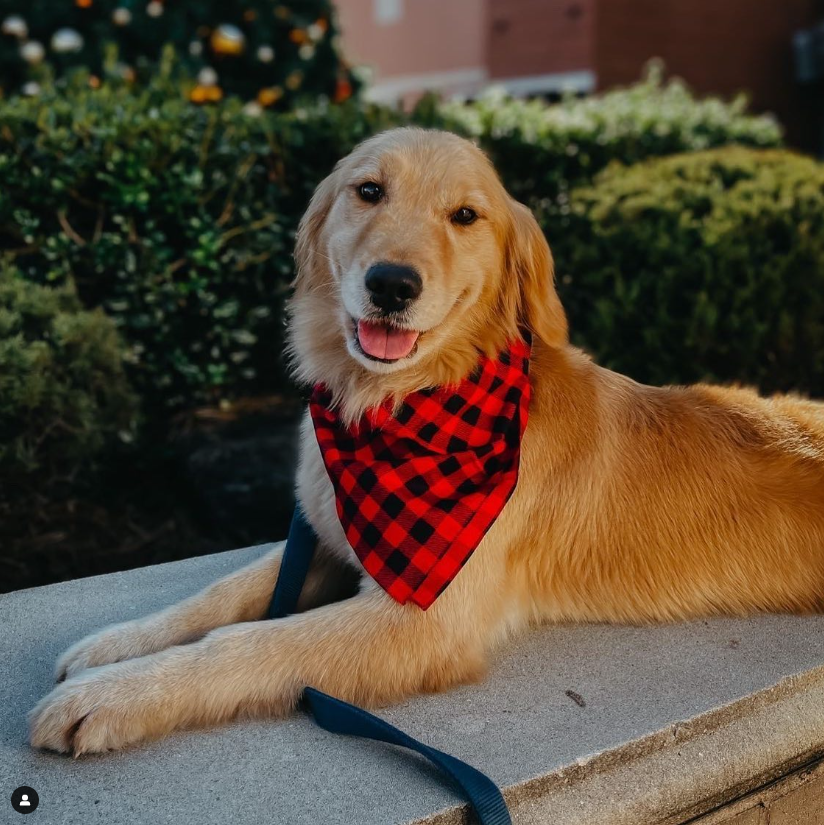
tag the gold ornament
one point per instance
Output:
(124, 71)
(270, 95)
(83, 4)
(293, 80)
(298, 36)
(228, 40)
(253, 109)
(121, 16)
(306, 51)
(154, 9)
(15, 26)
(32, 52)
(206, 94)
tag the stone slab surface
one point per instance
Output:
(651, 695)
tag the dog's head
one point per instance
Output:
(412, 259)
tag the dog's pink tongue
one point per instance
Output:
(384, 341)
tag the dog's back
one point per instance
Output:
(652, 503)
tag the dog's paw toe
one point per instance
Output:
(85, 715)
(104, 648)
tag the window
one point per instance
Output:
(388, 11)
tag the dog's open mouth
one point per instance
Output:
(385, 342)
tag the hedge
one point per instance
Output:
(702, 266)
(64, 397)
(545, 151)
(179, 220)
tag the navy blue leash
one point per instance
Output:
(337, 716)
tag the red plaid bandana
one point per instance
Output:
(416, 492)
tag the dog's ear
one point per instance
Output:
(309, 230)
(530, 271)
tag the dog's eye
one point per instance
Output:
(464, 216)
(370, 192)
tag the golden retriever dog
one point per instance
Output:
(634, 503)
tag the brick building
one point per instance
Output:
(543, 47)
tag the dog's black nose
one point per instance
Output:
(393, 286)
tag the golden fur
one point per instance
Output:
(635, 504)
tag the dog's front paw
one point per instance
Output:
(112, 644)
(105, 709)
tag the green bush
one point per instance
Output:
(701, 266)
(64, 398)
(179, 220)
(545, 151)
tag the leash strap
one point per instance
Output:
(337, 716)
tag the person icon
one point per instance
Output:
(25, 800)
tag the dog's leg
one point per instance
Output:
(239, 597)
(367, 649)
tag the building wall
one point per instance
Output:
(545, 46)
(414, 44)
(531, 37)
(717, 46)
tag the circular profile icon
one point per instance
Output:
(25, 800)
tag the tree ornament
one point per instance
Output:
(66, 40)
(32, 52)
(121, 16)
(293, 80)
(265, 54)
(205, 94)
(253, 109)
(254, 45)
(317, 30)
(270, 95)
(31, 89)
(126, 72)
(207, 76)
(343, 90)
(228, 40)
(15, 26)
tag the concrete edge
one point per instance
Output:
(220, 555)
(681, 772)
(765, 796)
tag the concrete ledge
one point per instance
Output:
(678, 721)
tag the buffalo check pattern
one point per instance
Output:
(417, 490)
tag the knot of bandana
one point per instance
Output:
(417, 491)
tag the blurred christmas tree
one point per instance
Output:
(271, 51)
